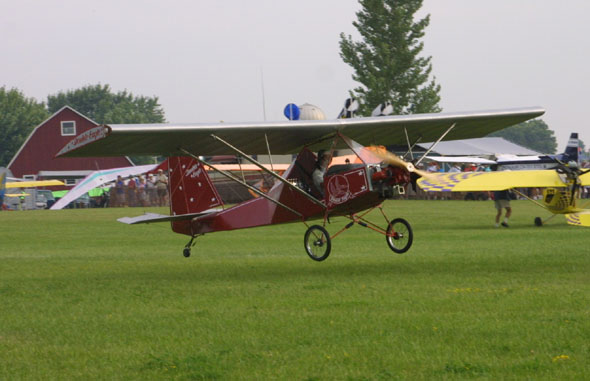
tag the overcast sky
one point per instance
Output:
(207, 61)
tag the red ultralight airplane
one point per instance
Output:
(349, 190)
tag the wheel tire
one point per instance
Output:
(538, 221)
(186, 252)
(317, 243)
(399, 235)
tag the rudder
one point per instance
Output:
(191, 189)
(572, 148)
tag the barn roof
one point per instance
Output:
(41, 124)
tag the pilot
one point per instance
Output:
(320, 170)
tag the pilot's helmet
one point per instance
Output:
(572, 164)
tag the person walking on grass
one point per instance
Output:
(502, 201)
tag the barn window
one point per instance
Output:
(68, 128)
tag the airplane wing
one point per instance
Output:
(460, 159)
(33, 184)
(248, 167)
(489, 181)
(286, 137)
(585, 179)
(98, 178)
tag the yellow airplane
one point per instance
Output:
(22, 184)
(561, 187)
(33, 184)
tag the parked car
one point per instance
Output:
(82, 201)
(44, 199)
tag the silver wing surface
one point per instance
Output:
(287, 137)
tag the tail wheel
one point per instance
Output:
(538, 221)
(317, 243)
(399, 235)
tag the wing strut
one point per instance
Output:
(269, 155)
(435, 143)
(528, 198)
(233, 178)
(410, 146)
(273, 174)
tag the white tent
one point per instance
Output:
(479, 147)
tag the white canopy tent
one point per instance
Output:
(482, 147)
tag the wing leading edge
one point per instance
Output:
(287, 137)
(490, 181)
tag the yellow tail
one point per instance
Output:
(579, 219)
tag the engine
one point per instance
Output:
(390, 181)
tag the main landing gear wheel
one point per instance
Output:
(538, 221)
(399, 235)
(317, 243)
(186, 252)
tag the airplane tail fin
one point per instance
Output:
(572, 149)
(191, 189)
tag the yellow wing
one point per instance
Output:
(580, 219)
(33, 184)
(585, 179)
(489, 181)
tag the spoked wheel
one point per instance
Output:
(317, 243)
(399, 235)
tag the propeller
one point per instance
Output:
(396, 161)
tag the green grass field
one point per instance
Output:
(85, 297)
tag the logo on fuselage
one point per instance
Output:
(338, 189)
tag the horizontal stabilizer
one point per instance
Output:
(154, 217)
(579, 219)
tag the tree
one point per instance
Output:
(533, 134)
(100, 104)
(387, 62)
(18, 116)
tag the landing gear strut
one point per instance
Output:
(398, 234)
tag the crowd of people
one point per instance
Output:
(434, 166)
(139, 191)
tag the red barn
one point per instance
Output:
(36, 157)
